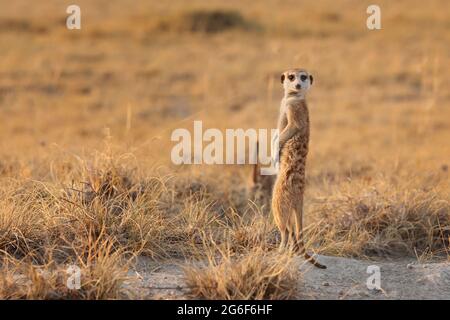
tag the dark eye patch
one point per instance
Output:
(303, 77)
(291, 77)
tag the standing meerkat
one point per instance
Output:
(293, 126)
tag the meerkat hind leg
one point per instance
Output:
(284, 239)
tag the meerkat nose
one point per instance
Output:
(298, 86)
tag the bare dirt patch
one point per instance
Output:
(343, 279)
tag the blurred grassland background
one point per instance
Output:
(141, 71)
(380, 105)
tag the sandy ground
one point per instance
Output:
(343, 279)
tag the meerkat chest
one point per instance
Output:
(300, 113)
(298, 145)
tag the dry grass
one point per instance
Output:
(383, 220)
(103, 272)
(205, 21)
(255, 275)
(377, 171)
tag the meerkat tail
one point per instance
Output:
(299, 245)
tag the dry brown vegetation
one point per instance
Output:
(86, 118)
(254, 275)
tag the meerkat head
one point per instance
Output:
(296, 82)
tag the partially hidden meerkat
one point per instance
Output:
(261, 186)
(287, 194)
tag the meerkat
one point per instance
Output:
(261, 186)
(287, 194)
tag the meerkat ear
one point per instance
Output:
(282, 78)
(311, 79)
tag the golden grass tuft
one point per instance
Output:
(385, 221)
(255, 275)
(103, 272)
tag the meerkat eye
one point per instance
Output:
(291, 77)
(303, 77)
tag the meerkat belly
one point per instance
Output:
(295, 150)
(293, 162)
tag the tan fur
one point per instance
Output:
(287, 195)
